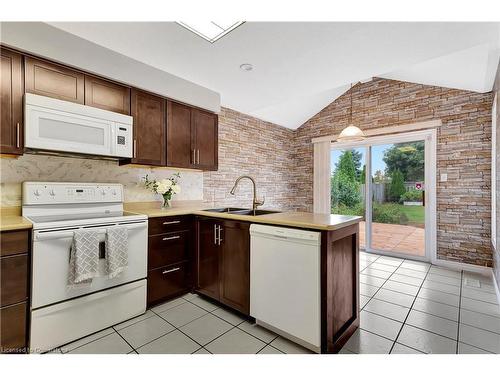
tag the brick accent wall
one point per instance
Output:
(253, 147)
(463, 152)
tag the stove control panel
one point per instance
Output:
(64, 192)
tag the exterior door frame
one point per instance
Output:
(429, 136)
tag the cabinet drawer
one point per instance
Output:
(15, 242)
(13, 279)
(168, 248)
(13, 328)
(166, 224)
(167, 282)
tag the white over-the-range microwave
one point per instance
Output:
(58, 126)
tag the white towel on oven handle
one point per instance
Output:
(116, 250)
(84, 257)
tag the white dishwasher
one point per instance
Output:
(285, 282)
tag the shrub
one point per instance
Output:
(357, 210)
(345, 190)
(397, 186)
(389, 214)
(412, 195)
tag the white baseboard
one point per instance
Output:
(463, 266)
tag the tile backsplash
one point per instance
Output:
(64, 169)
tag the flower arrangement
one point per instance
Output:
(166, 187)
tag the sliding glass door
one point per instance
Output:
(385, 180)
(397, 187)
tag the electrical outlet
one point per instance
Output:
(444, 177)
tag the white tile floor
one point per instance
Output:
(413, 307)
(188, 324)
(407, 307)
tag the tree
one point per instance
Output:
(362, 176)
(408, 158)
(356, 158)
(379, 177)
(397, 186)
(345, 185)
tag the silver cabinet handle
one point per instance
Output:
(170, 238)
(171, 270)
(18, 135)
(135, 148)
(215, 234)
(198, 156)
(194, 156)
(220, 236)
(171, 222)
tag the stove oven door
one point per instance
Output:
(51, 251)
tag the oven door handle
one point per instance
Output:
(41, 236)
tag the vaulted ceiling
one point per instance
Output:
(301, 67)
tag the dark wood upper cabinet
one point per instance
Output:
(207, 258)
(235, 265)
(205, 140)
(191, 137)
(179, 149)
(11, 102)
(107, 95)
(44, 78)
(148, 112)
(223, 262)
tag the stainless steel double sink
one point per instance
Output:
(241, 211)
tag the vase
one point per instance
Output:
(167, 203)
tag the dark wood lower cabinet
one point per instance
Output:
(235, 265)
(223, 262)
(207, 258)
(339, 287)
(169, 258)
(13, 331)
(14, 290)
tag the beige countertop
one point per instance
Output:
(11, 219)
(306, 220)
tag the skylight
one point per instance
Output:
(210, 30)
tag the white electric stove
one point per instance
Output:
(60, 314)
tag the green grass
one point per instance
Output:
(415, 214)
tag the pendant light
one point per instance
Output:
(351, 133)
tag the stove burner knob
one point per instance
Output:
(114, 192)
(37, 193)
(52, 193)
(103, 192)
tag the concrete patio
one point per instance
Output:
(395, 238)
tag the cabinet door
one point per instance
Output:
(235, 266)
(11, 103)
(107, 95)
(207, 258)
(179, 148)
(149, 128)
(205, 139)
(44, 78)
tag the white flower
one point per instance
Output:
(176, 189)
(166, 182)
